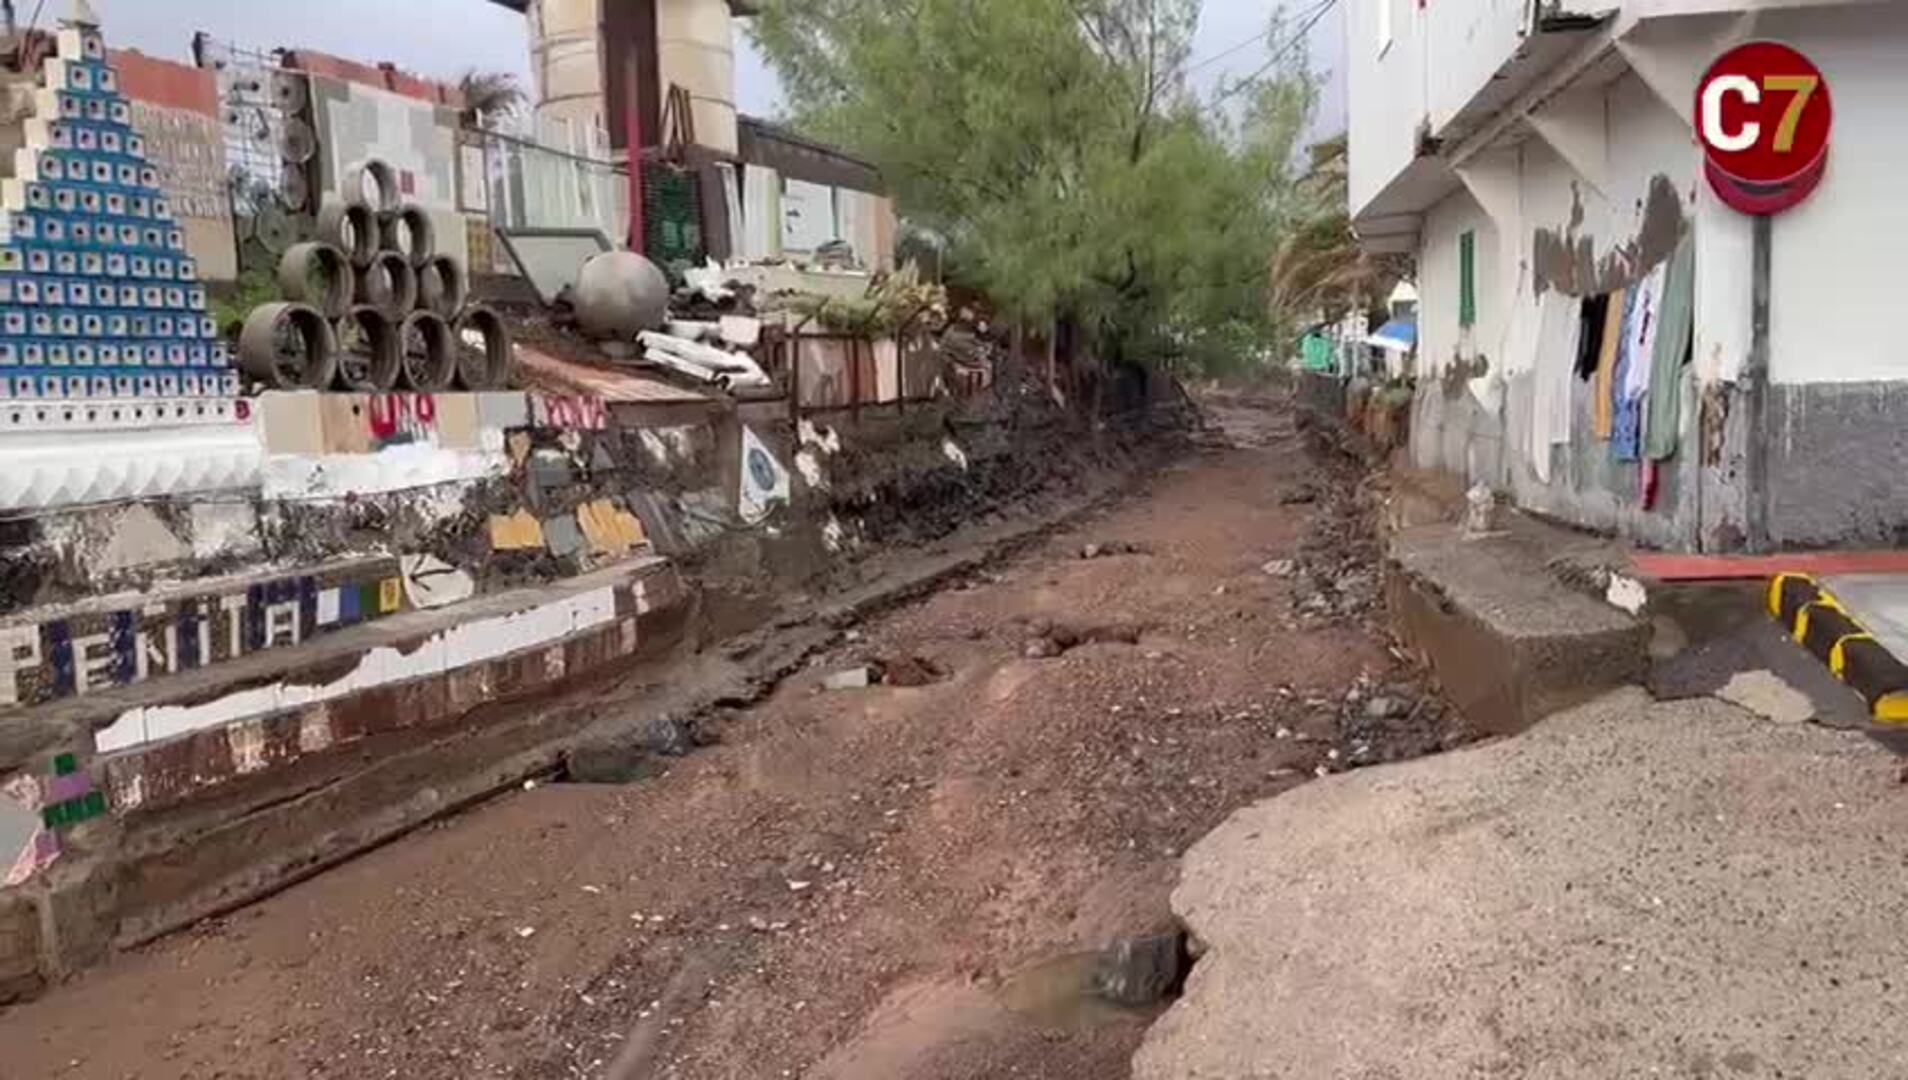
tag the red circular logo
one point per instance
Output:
(1763, 115)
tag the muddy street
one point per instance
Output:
(896, 880)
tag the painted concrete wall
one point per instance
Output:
(1385, 95)
(1470, 40)
(1414, 67)
(1835, 297)
(1440, 338)
(1600, 210)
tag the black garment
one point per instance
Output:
(1594, 312)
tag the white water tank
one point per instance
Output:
(565, 59)
(695, 49)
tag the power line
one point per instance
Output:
(1297, 39)
(1222, 54)
(1240, 47)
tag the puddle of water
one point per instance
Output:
(1058, 992)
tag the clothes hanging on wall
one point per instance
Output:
(1558, 323)
(1608, 343)
(1639, 343)
(1640, 337)
(1591, 315)
(1669, 352)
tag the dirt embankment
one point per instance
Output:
(896, 880)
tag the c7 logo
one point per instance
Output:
(1716, 134)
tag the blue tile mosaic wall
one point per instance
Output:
(98, 297)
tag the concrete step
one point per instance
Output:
(1510, 638)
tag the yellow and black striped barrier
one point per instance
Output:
(1819, 623)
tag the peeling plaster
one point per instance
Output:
(1568, 262)
(1460, 372)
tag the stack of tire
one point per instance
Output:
(371, 306)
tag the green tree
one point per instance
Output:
(1057, 147)
(489, 95)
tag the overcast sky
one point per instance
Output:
(444, 38)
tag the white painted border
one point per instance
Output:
(453, 648)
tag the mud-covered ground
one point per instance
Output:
(880, 882)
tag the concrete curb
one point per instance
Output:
(1823, 625)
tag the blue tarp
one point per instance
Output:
(1398, 335)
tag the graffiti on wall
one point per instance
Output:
(569, 413)
(86, 653)
(397, 419)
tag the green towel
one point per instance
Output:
(1674, 318)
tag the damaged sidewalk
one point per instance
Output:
(1679, 799)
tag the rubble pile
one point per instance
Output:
(1336, 574)
(1336, 577)
(725, 327)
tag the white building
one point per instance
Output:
(1530, 153)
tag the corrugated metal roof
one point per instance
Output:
(547, 373)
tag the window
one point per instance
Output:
(1384, 26)
(1467, 279)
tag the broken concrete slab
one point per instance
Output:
(1707, 634)
(1509, 641)
(854, 678)
(1769, 696)
(137, 538)
(1628, 888)
(610, 529)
